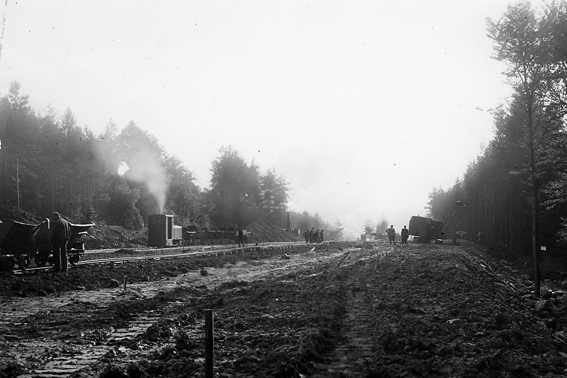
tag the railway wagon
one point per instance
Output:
(162, 232)
(425, 230)
(20, 243)
(214, 237)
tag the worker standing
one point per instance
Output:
(240, 238)
(405, 235)
(244, 237)
(60, 235)
(391, 234)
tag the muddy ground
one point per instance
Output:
(333, 311)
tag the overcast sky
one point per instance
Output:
(363, 106)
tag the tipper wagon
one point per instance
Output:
(21, 243)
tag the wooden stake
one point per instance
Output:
(344, 257)
(209, 343)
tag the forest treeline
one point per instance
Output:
(49, 163)
(513, 196)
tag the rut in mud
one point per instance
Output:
(354, 352)
(427, 310)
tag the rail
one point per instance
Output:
(164, 253)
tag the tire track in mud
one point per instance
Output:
(351, 358)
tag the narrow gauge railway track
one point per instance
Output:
(193, 248)
(162, 254)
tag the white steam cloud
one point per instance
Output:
(147, 169)
(137, 164)
(123, 168)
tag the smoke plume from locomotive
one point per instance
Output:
(135, 161)
(123, 168)
(148, 169)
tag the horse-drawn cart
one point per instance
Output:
(21, 243)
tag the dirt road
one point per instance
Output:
(422, 311)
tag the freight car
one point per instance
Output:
(425, 230)
(214, 237)
(163, 233)
(20, 243)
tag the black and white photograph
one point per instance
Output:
(250, 188)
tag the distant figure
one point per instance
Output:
(306, 236)
(244, 237)
(311, 236)
(60, 235)
(405, 235)
(321, 235)
(391, 234)
(240, 237)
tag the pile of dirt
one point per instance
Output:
(261, 232)
(14, 213)
(103, 236)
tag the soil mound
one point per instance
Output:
(20, 215)
(102, 236)
(263, 232)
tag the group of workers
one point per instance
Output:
(392, 235)
(313, 236)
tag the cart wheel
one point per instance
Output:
(23, 261)
(73, 259)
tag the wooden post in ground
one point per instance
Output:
(209, 342)
(344, 257)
